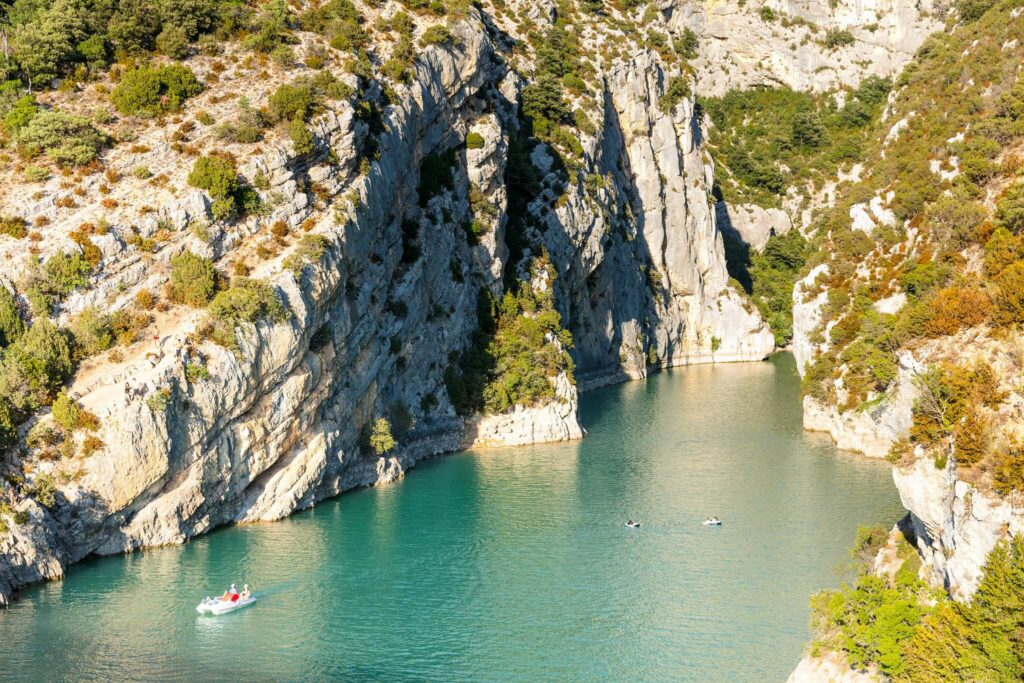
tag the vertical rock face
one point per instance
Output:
(280, 422)
(956, 524)
(649, 287)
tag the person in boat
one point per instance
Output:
(246, 593)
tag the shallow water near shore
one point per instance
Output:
(505, 565)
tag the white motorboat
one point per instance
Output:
(217, 606)
(633, 525)
(712, 521)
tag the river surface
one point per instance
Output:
(505, 565)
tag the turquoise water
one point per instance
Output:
(506, 565)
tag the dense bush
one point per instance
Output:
(66, 139)
(69, 37)
(1010, 295)
(246, 301)
(92, 332)
(947, 395)
(50, 284)
(70, 416)
(291, 101)
(1010, 209)
(12, 326)
(437, 35)
(151, 90)
(301, 137)
(193, 280)
(976, 641)
(35, 366)
(768, 277)
(768, 140)
(871, 620)
(677, 90)
(219, 176)
(519, 348)
(838, 38)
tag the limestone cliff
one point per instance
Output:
(195, 435)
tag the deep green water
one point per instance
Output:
(507, 565)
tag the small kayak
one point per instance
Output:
(216, 606)
(712, 522)
(633, 525)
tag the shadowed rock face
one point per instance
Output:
(641, 281)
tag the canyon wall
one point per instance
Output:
(280, 422)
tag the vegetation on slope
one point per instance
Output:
(767, 277)
(768, 141)
(912, 633)
(519, 348)
(962, 117)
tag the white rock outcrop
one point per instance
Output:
(955, 523)
(828, 669)
(741, 48)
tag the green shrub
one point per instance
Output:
(975, 641)
(292, 101)
(219, 176)
(173, 42)
(972, 10)
(474, 140)
(302, 138)
(36, 366)
(380, 438)
(65, 273)
(1010, 209)
(92, 332)
(11, 324)
(838, 38)
(21, 114)
(149, 90)
(808, 130)
(196, 372)
(159, 400)
(216, 175)
(542, 101)
(64, 138)
(437, 35)
(678, 89)
(193, 280)
(247, 301)
(44, 490)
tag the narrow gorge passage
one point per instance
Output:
(508, 564)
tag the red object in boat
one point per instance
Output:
(234, 598)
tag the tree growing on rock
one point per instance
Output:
(193, 280)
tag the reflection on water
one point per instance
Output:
(510, 564)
